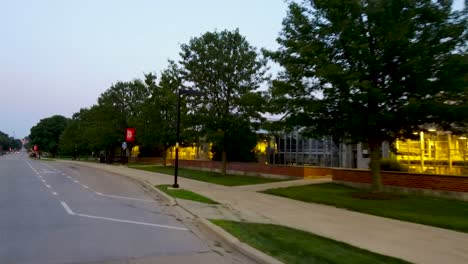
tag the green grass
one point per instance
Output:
(185, 194)
(299, 247)
(207, 176)
(445, 213)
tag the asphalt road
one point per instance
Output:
(59, 213)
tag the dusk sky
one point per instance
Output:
(59, 56)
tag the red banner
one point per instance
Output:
(130, 134)
(35, 147)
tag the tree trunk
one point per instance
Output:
(375, 156)
(223, 160)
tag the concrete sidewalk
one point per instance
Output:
(412, 242)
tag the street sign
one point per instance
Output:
(130, 134)
(35, 147)
(124, 145)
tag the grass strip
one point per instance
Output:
(208, 176)
(294, 246)
(185, 194)
(433, 211)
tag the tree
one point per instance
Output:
(228, 71)
(240, 144)
(159, 112)
(7, 142)
(46, 133)
(371, 71)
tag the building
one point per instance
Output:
(432, 152)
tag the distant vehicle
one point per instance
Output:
(33, 155)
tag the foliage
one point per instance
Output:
(46, 133)
(445, 213)
(157, 123)
(227, 70)
(392, 165)
(102, 126)
(371, 71)
(7, 142)
(240, 142)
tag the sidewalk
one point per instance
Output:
(412, 242)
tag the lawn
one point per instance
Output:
(207, 176)
(296, 246)
(445, 213)
(185, 194)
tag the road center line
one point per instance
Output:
(123, 197)
(86, 187)
(48, 186)
(76, 181)
(65, 206)
(130, 222)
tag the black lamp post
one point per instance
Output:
(176, 165)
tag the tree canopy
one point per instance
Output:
(46, 134)
(7, 142)
(371, 71)
(227, 71)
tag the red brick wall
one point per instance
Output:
(409, 180)
(246, 168)
(400, 179)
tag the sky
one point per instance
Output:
(58, 56)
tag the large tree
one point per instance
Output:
(46, 133)
(371, 70)
(227, 71)
(157, 122)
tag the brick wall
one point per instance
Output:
(408, 180)
(252, 169)
(396, 179)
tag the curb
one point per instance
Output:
(225, 236)
(243, 248)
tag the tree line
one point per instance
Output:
(7, 143)
(360, 71)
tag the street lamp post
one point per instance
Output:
(176, 165)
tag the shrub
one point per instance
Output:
(392, 165)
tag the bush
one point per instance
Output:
(392, 165)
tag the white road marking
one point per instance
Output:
(43, 180)
(29, 164)
(54, 169)
(76, 181)
(63, 174)
(48, 186)
(130, 222)
(86, 187)
(54, 193)
(123, 197)
(69, 177)
(65, 206)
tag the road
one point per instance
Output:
(58, 213)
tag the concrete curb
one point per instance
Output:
(243, 248)
(225, 236)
